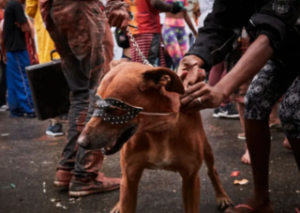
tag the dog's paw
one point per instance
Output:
(116, 209)
(224, 202)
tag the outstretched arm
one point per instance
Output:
(248, 66)
(270, 29)
(189, 23)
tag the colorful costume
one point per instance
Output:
(175, 37)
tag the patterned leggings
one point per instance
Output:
(266, 89)
(175, 39)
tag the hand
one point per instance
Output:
(211, 97)
(119, 18)
(189, 70)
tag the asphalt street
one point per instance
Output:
(28, 160)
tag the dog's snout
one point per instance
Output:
(83, 141)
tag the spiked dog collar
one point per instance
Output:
(115, 111)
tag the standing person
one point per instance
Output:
(148, 35)
(174, 34)
(83, 39)
(45, 46)
(273, 56)
(15, 27)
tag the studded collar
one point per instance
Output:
(114, 111)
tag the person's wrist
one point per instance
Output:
(222, 90)
(193, 59)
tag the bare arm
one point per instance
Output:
(189, 23)
(250, 64)
(32, 34)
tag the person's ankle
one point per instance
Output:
(262, 199)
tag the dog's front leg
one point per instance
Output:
(129, 189)
(222, 198)
(191, 192)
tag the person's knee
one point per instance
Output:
(256, 106)
(289, 115)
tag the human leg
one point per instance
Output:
(266, 88)
(290, 117)
(182, 38)
(246, 157)
(3, 84)
(78, 40)
(11, 92)
(169, 34)
(55, 128)
(73, 41)
(19, 96)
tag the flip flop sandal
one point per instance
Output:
(247, 207)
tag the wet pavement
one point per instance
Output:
(28, 160)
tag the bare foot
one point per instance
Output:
(286, 144)
(246, 157)
(297, 210)
(252, 206)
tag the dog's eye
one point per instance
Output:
(116, 111)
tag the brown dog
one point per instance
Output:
(142, 104)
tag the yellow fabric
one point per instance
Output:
(44, 41)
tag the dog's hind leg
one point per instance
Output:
(222, 198)
(191, 192)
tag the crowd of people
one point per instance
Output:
(179, 34)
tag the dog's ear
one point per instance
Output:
(161, 77)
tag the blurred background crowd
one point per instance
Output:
(167, 33)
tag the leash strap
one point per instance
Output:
(156, 113)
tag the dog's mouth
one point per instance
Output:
(122, 139)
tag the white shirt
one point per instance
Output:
(205, 8)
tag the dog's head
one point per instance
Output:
(125, 91)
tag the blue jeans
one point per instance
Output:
(19, 95)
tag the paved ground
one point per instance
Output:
(28, 160)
